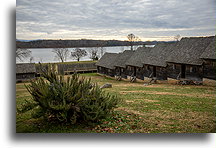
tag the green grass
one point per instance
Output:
(157, 108)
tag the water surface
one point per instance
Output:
(45, 55)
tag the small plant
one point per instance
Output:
(72, 100)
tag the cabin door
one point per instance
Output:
(120, 71)
(154, 71)
(134, 71)
(183, 67)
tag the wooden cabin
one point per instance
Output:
(134, 64)
(106, 64)
(71, 68)
(25, 71)
(209, 61)
(184, 61)
(120, 66)
(155, 64)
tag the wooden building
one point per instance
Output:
(120, 64)
(184, 61)
(154, 65)
(25, 71)
(106, 64)
(209, 61)
(134, 64)
(70, 68)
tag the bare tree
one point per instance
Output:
(22, 53)
(61, 53)
(78, 53)
(102, 51)
(177, 37)
(31, 59)
(93, 53)
(101, 48)
(132, 38)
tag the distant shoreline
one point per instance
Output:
(79, 43)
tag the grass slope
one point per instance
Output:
(157, 108)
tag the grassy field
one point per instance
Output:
(156, 108)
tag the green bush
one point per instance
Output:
(72, 100)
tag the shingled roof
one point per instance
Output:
(107, 60)
(189, 50)
(209, 52)
(159, 54)
(25, 68)
(123, 57)
(137, 57)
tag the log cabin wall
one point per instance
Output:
(118, 71)
(62, 68)
(106, 71)
(191, 72)
(25, 76)
(129, 70)
(209, 69)
(148, 71)
(25, 71)
(101, 70)
(124, 73)
(140, 73)
(110, 72)
(161, 73)
(194, 72)
(173, 70)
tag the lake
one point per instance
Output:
(45, 55)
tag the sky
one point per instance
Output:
(114, 19)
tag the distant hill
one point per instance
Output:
(27, 40)
(40, 43)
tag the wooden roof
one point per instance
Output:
(189, 50)
(25, 68)
(138, 56)
(108, 60)
(159, 54)
(209, 52)
(123, 57)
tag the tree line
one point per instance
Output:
(63, 54)
(71, 43)
(94, 53)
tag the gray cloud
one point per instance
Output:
(114, 18)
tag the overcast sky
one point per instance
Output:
(114, 19)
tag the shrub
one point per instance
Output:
(71, 100)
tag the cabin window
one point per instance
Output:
(148, 68)
(122, 70)
(193, 69)
(213, 64)
(174, 66)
